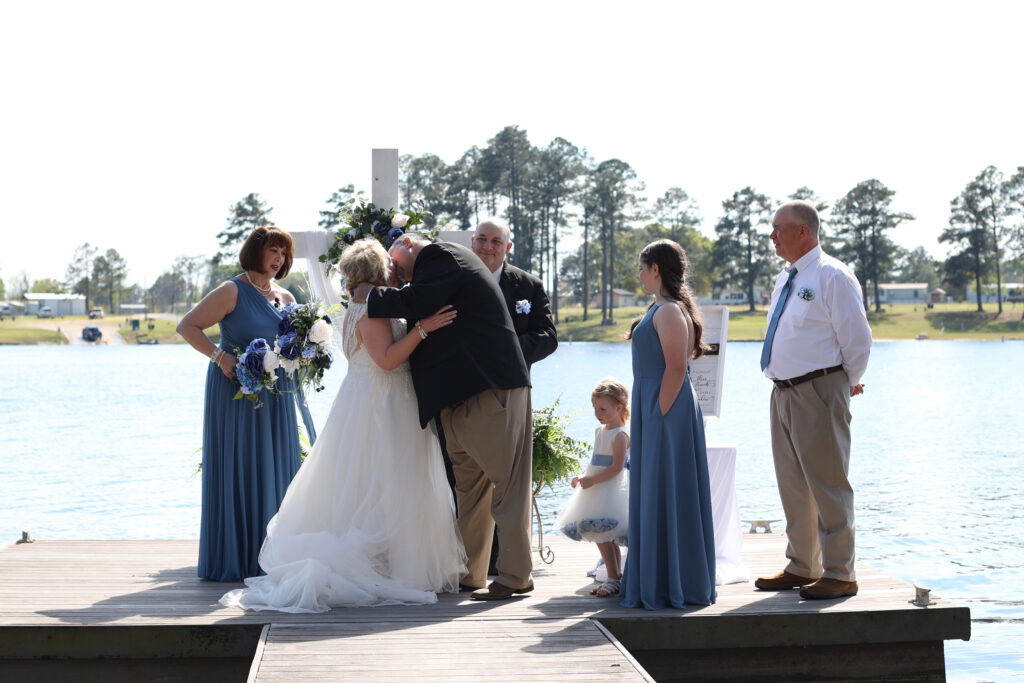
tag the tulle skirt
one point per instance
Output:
(600, 513)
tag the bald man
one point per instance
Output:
(525, 298)
(524, 293)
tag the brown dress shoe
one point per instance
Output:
(499, 591)
(828, 589)
(782, 581)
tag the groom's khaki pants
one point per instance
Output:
(811, 444)
(490, 443)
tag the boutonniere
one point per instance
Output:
(806, 293)
(523, 307)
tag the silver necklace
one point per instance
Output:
(265, 291)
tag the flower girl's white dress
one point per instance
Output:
(600, 513)
(369, 518)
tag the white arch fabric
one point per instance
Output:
(310, 244)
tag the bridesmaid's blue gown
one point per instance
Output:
(249, 455)
(671, 558)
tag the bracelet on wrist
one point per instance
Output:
(419, 328)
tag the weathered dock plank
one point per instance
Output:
(62, 598)
(466, 650)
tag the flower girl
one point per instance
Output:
(598, 511)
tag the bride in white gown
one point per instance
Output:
(369, 518)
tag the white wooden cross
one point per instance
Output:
(310, 244)
(384, 191)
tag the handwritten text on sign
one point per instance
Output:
(708, 371)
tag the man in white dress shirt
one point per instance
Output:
(815, 351)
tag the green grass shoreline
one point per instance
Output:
(27, 336)
(950, 322)
(16, 332)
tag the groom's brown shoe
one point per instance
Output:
(499, 591)
(828, 589)
(783, 581)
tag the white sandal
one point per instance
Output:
(608, 588)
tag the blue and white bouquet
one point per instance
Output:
(303, 343)
(256, 370)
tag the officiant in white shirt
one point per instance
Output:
(815, 351)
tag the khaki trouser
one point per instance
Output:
(811, 444)
(490, 443)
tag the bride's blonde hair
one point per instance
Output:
(364, 261)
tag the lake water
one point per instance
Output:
(102, 442)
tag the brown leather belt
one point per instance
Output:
(814, 374)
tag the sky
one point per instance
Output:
(136, 125)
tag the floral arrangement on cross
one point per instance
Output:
(360, 219)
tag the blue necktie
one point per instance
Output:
(766, 350)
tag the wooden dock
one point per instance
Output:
(107, 610)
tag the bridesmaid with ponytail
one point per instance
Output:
(671, 559)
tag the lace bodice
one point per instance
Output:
(354, 350)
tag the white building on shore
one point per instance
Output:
(62, 304)
(903, 293)
(1012, 291)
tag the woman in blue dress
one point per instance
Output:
(671, 559)
(249, 454)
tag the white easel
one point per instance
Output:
(707, 374)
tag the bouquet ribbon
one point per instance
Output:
(307, 418)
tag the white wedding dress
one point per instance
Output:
(369, 518)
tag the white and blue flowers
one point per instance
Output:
(256, 370)
(302, 346)
(806, 293)
(303, 343)
(523, 307)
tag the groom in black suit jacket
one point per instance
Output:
(473, 374)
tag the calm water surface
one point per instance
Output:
(102, 442)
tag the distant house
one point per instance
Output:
(62, 304)
(735, 297)
(903, 293)
(622, 297)
(15, 307)
(1011, 292)
(566, 297)
(938, 296)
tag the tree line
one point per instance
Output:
(558, 194)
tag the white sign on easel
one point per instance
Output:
(708, 372)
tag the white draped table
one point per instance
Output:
(728, 536)
(729, 567)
